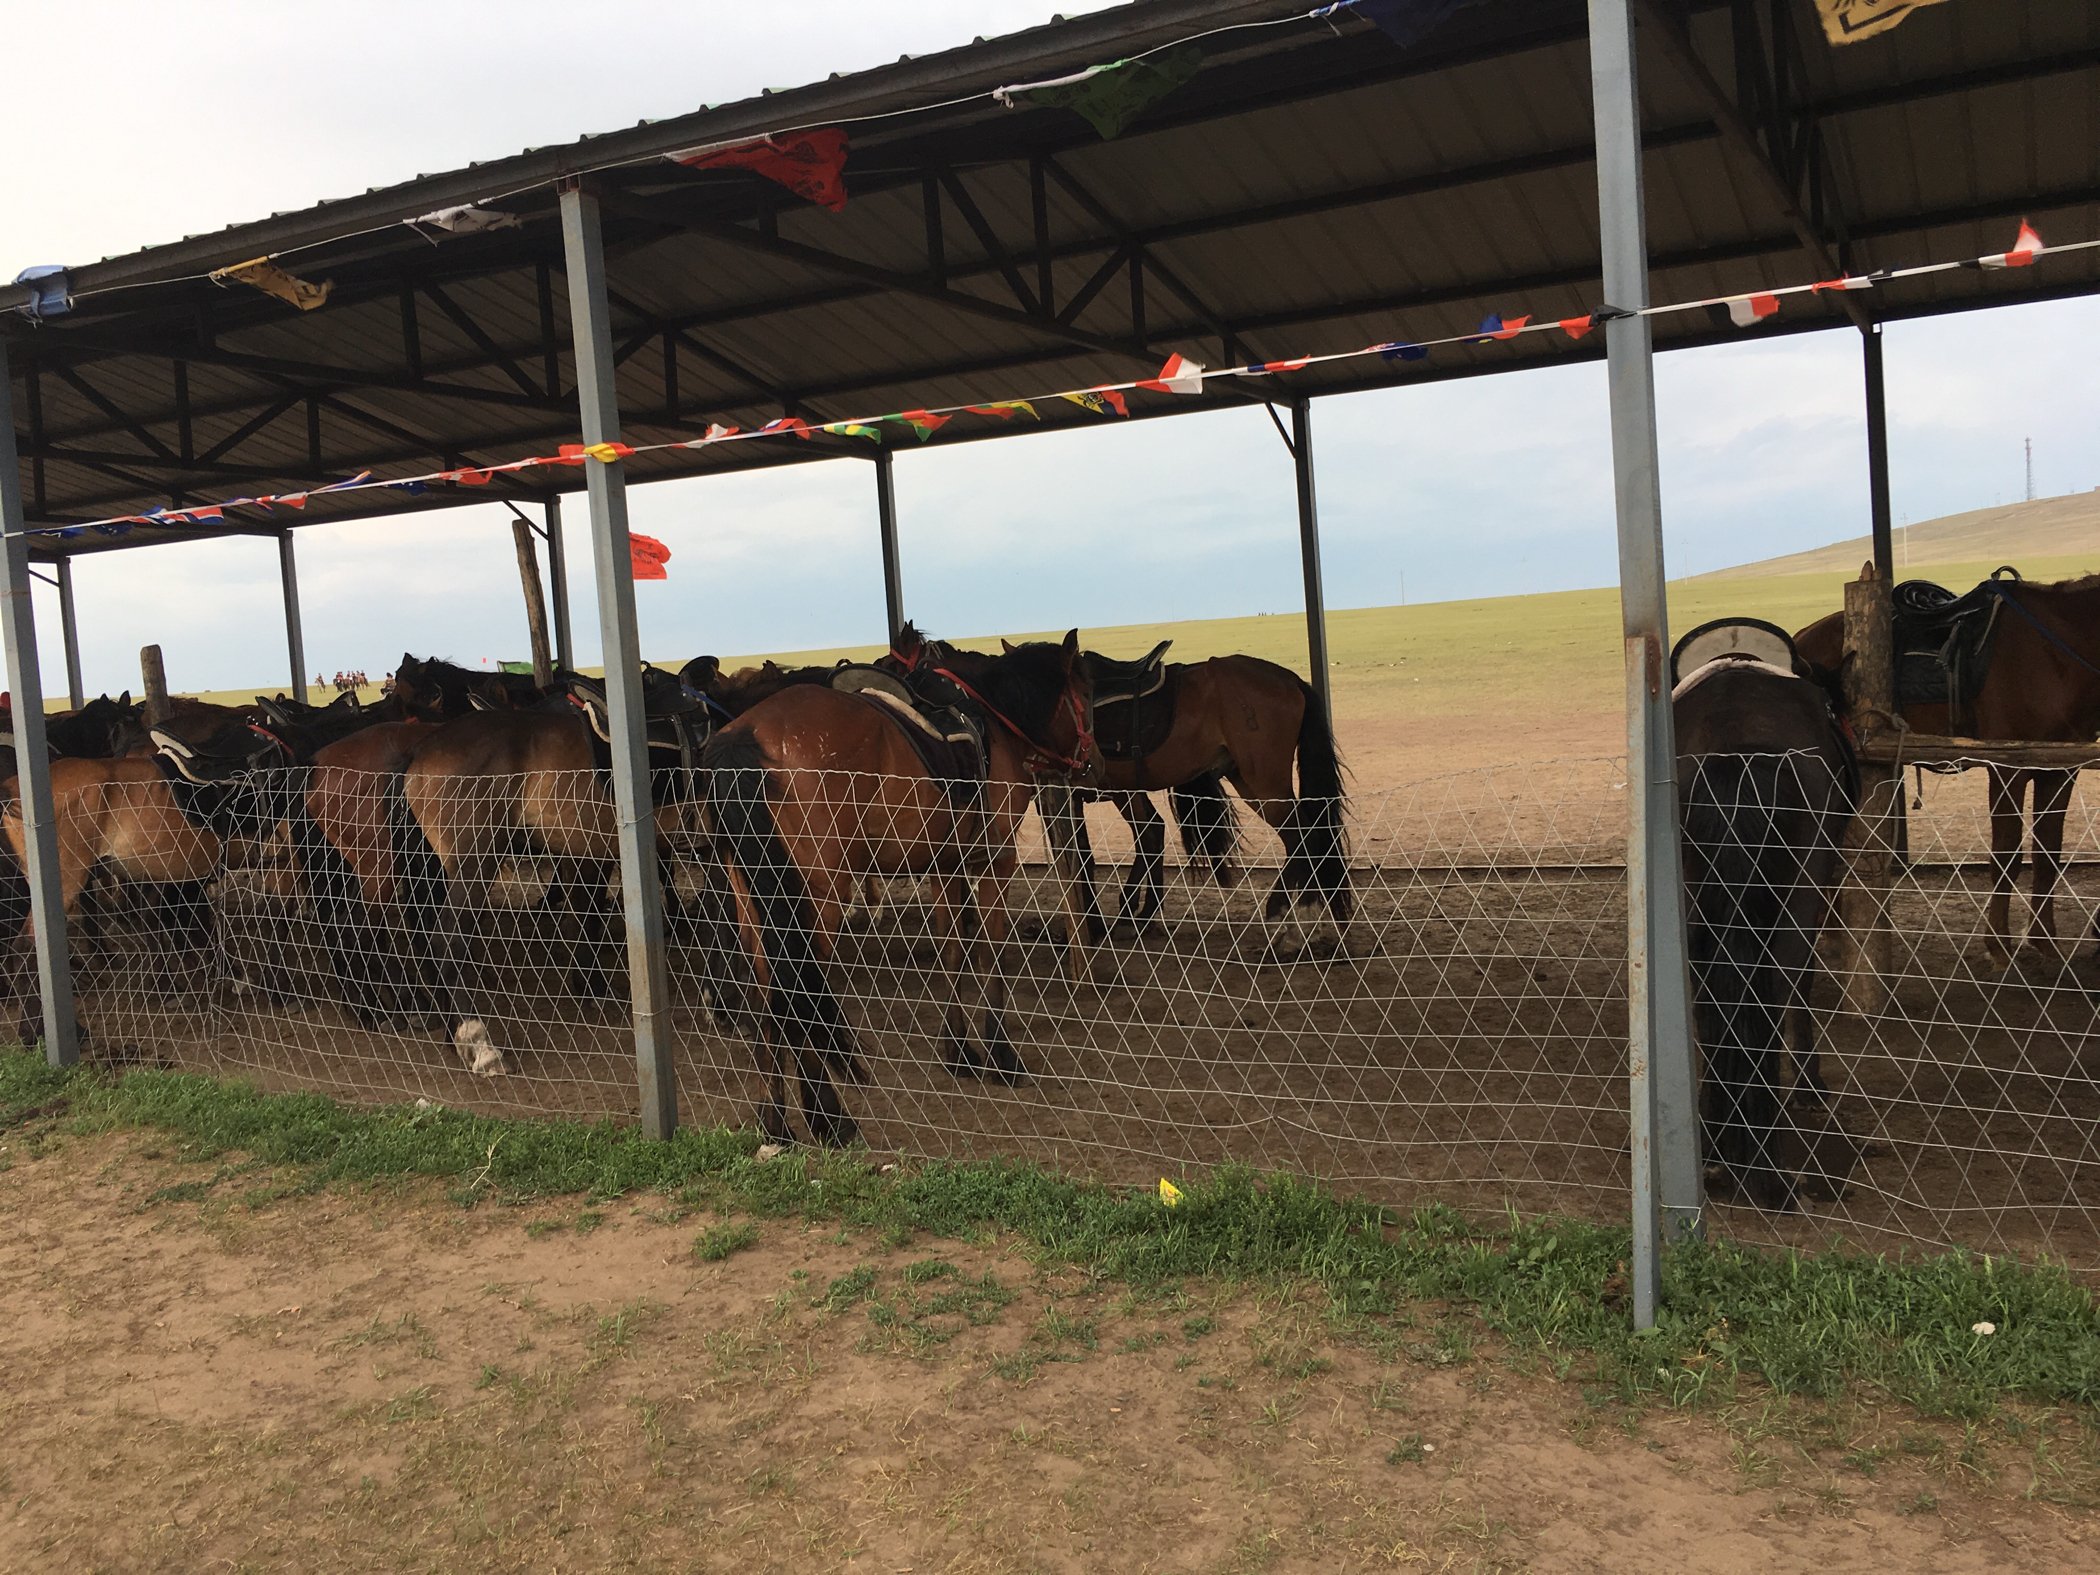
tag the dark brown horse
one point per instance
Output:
(2043, 686)
(813, 788)
(438, 690)
(1236, 719)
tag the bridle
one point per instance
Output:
(1041, 756)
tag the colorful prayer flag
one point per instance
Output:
(1849, 21)
(794, 424)
(811, 164)
(1179, 376)
(1005, 409)
(923, 423)
(1752, 310)
(467, 220)
(1403, 352)
(647, 556)
(1109, 97)
(2028, 247)
(852, 429)
(1100, 400)
(1265, 368)
(272, 280)
(1576, 327)
(1851, 281)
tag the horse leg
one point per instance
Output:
(2005, 790)
(1143, 888)
(1064, 826)
(952, 896)
(2052, 799)
(994, 924)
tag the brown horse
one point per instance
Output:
(2043, 686)
(492, 786)
(158, 821)
(813, 788)
(1236, 719)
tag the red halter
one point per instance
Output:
(1040, 754)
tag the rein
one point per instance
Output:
(1042, 753)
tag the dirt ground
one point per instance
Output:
(203, 1369)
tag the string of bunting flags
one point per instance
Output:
(1179, 376)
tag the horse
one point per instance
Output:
(732, 694)
(160, 821)
(2042, 685)
(813, 788)
(1767, 784)
(437, 690)
(1236, 719)
(487, 787)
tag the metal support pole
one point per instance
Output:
(294, 634)
(1878, 458)
(1667, 1197)
(886, 516)
(1309, 551)
(32, 756)
(648, 970)
(558, 588)
(76, 692)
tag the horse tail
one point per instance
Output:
(1737, 902)
(804, 1010)
(1209, 829)
(1316, 861)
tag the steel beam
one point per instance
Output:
(69, 626)
(892, 570)
(294, 630)
(32, 756)
(1878, 458)
(558, 586)
(648, 969)
(1667, 1198)
(1309, 552)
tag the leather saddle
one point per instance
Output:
(1129, 722)
(1737, 639)
(675, 720)
(214, 784)
(944, 726)
(1943, 641)
(209, 764)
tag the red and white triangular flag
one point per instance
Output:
(1179, 376)
(2028, 247)
(1750, 310)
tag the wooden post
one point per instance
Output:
(154, 682)
(1870, 700)
(535, 599)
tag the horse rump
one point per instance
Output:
(801, 1008)
(1745, 857)
(1315, 857)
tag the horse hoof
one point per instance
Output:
(773, 1121)
(837, 1130)
(1003, 1062)
(960, 1057)
(477, 1049)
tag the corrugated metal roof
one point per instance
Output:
(1312, 189)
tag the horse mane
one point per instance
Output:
(1025, 683)
(2078, 583)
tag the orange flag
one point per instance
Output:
(648, 556)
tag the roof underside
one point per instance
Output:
(1312, 189)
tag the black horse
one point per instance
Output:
(1768, 784)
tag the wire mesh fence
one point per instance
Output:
(1455, 1035)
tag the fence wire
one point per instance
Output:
(1459, 1040)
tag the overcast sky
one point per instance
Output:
(143, 121)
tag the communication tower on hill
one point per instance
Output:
(2030, 470)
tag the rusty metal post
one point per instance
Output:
(1668, 1195)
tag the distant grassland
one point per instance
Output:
(1516, 656)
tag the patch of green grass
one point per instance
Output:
(1804, 1324)
(1407, 1451)
(720, 1241)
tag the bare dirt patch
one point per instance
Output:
(201, 1369)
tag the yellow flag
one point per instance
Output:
(1169, 1194)
(1849, 21)
(267, 277)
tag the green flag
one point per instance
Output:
(1112, 96)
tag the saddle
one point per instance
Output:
(1126, 727)
(1943, 641)
(675, 721)
(1742, 639)
(943, 725)
(207, 784)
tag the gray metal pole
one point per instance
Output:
(648, 967)
(294, 633)
(886, 515)
(1667, 1197)
(1309, 551)
(32, 756)
(1878, 459)
(70, 628)
(558, 588)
